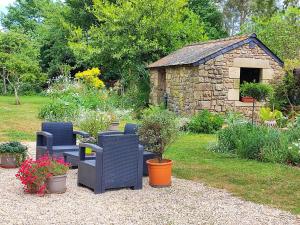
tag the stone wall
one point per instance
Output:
(215, 84)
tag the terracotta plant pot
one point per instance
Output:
(248, 99)
(159, 172)
(57, 184)
(8, 161)
(114, 126)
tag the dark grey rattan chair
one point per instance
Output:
(57, 138)
(118, 163)
(131, 128)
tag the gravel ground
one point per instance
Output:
(186, 202)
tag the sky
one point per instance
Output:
(4, 4)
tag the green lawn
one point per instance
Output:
(272, 184)
(19, 122)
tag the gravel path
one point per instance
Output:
(186, 202)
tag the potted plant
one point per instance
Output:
(12, 154)
(45, 175)
(257, 91)
(157, 130)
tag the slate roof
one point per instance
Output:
(199, 53)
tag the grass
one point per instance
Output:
(266, 183)
(272, 184)
(19, 122)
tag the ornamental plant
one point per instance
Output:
(14, 148)
(158, 129)
(34, 173)
(90, 78)
(258, 91)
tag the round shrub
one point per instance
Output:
(157, 130)
(205, 122)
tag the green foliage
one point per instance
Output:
(12, 147)
(233, 118)
(266, 114)
(260, 143)
(59, 111)
(19, 57)
(131, 34)
(279, 32)
(16, 148)
(212, 17)
(257, 91)
(205, 122)
(94, 121)
(287, 91)
(158, 129)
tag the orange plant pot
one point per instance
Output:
(159, 172)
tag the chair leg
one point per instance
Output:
(137, 187)
(98, 190)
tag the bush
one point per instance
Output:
(15, 148)
(205, 122)
(260, 143)
(157, 130)
(70, 98)
(94, 122)
(59, 111)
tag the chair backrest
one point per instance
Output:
(120, 159)
(130, 128)
(62, 132)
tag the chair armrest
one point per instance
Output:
(49, 139)
(81, 133)
(83, 146)
(45, 134)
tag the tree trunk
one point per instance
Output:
(4, 83)
(17, 96)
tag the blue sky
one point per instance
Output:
(4, 4)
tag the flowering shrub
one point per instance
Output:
(34, 174)
(90, 77)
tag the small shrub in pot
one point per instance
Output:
(158, 129)
(12, 154)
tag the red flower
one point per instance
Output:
(34, 174)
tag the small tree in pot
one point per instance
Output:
(258, 91)
(158, 129)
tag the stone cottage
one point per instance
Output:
(208, 75)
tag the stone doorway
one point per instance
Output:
(162, 84)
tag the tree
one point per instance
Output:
(131, 34)
(19, 57)
(238, 12)
(211, 16)
(280, 32)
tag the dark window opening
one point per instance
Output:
(250, 75)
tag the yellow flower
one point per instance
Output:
(90, 77)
